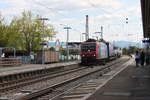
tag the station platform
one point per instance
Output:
(10, 70)
(133, 83)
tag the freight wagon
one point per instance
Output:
(49, 56)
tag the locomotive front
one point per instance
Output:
(88, 52)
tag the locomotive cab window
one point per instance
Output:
(88, 47)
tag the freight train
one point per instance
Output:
(94, 52)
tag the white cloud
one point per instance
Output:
(109, 16)
(59, 6)
(102, 12)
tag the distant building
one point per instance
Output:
(72, 45)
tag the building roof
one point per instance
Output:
(145, 7)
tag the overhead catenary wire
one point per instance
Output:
(95, 6)
(52, 9)
(43, 5)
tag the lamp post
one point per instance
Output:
(67, 28)
(43, 19)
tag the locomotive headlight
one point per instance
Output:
(83, 55)
(94, 55)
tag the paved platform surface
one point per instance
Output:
(133, 83)
(4, 71)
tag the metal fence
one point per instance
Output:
(50, 56)
(10, 61)
(25, 59)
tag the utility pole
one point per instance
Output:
(87, 28)
(101, 32)
(43, 56)
(67, 28)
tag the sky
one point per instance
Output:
(111, 14)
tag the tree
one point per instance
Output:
(132, 49)
(125, 51)
(12, 37)
(52, 49)
(102, 40)
(3, 41)
(29, 31)
(74, 51)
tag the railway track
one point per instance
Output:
(31, 78)
(84, 90)
(53, 88)
(31, 82)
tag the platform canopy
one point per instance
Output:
(145, 7)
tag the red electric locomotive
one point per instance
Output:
(93, 51)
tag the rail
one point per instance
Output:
(51, 88)
(10, 85)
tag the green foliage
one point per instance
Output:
(115, 47)
(125, 51)
(3, 28)
(102, 40)
(52, 48)
(130, 50)
(71, 52)
(74, 51)
(63, 52)
(25, 32)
